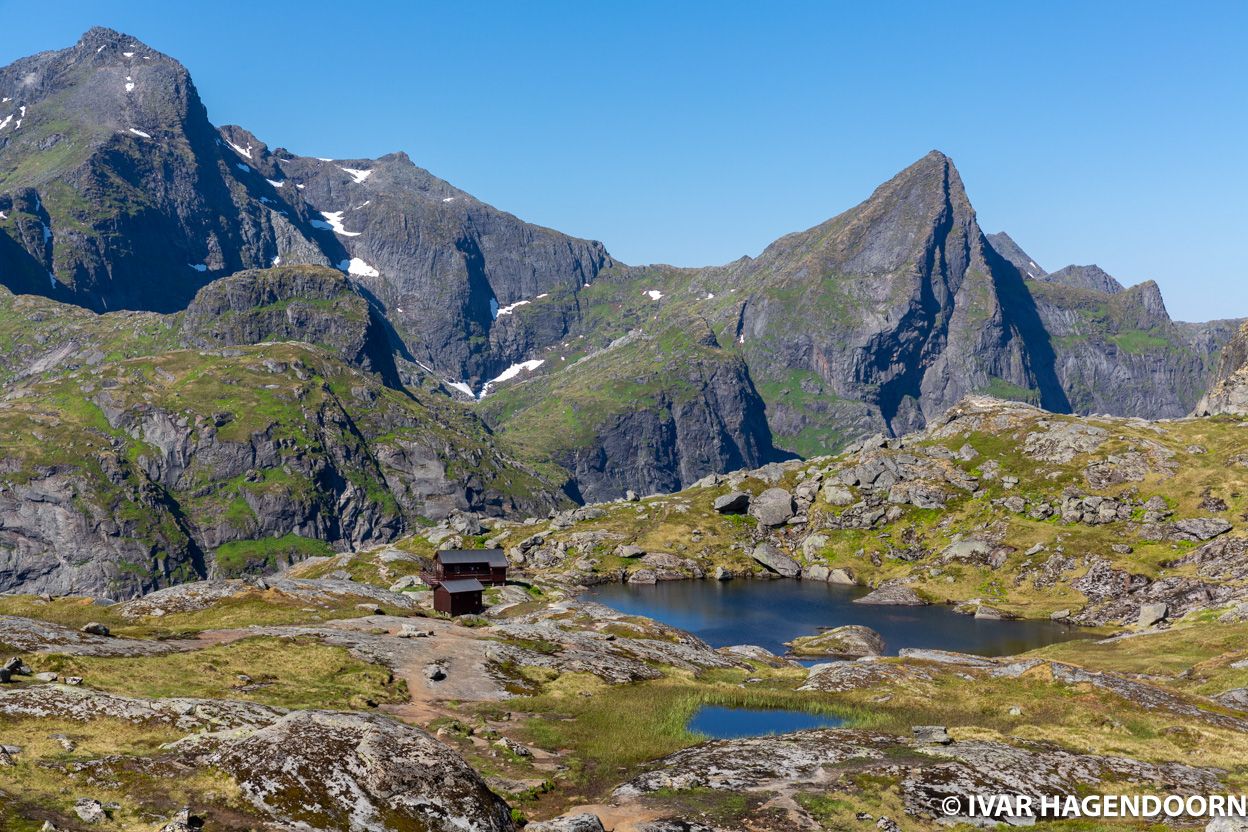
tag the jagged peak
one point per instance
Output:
(97, 38)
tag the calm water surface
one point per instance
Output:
(769, 613)
(730, 723)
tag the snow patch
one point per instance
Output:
(139, 133)
(654, 294)
(358, 175)
(242, 167)
(710, 296)
(333, 221)
(543, 295)
(449, 199)
(357, 266)
(129, 85)
(5, 123)
(494, 309)
(3, 216)
(300, 187)
(240, 150)
(199, 267)
(461, 387)
(128, 54)
(510, 373)
(509, 308)
(275, 183)
(277, 261)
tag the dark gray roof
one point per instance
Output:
(463, 585)
(494, 557)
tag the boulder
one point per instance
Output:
(584, 822)
(931, 735)
(851, 641)
(95, 628)
(643, 576)
(1151, 614)
(845, 577)
(722, 574)
(1235, 698)
(90, 810)
(776, 561)
(817, 572)
(774, 507)
(837, 495)
(892, 593)
(813, 544)
(734, 502)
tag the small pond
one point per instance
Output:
(770, 612)
(722, 723)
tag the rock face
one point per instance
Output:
(851, 641)
(358, 771)
(274, 453)
(1229, 391)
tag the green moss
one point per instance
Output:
(267, 553)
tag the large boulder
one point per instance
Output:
(851, 641)
(734, 502)
(774, 507)
(776, 561)
(892, 593)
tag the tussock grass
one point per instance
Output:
(288, 673)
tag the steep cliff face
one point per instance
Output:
(1116, 350)
(655, 411)
(1228, 392)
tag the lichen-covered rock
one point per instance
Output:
(583, 822)
(851, 641)
(774, 507)
(892, 593)
(332, 771)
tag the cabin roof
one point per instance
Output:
(455, 587)
(494, 557)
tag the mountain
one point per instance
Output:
(1117, 350)
(117, 192)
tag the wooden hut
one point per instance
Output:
(458, 597)
(489, 566)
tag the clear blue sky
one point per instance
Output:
(693, 133)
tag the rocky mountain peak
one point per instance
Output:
(1004, 245)
(1086, 277)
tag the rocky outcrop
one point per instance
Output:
(892, 593)
(291, 303)
(850, 641)
(354, 771)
